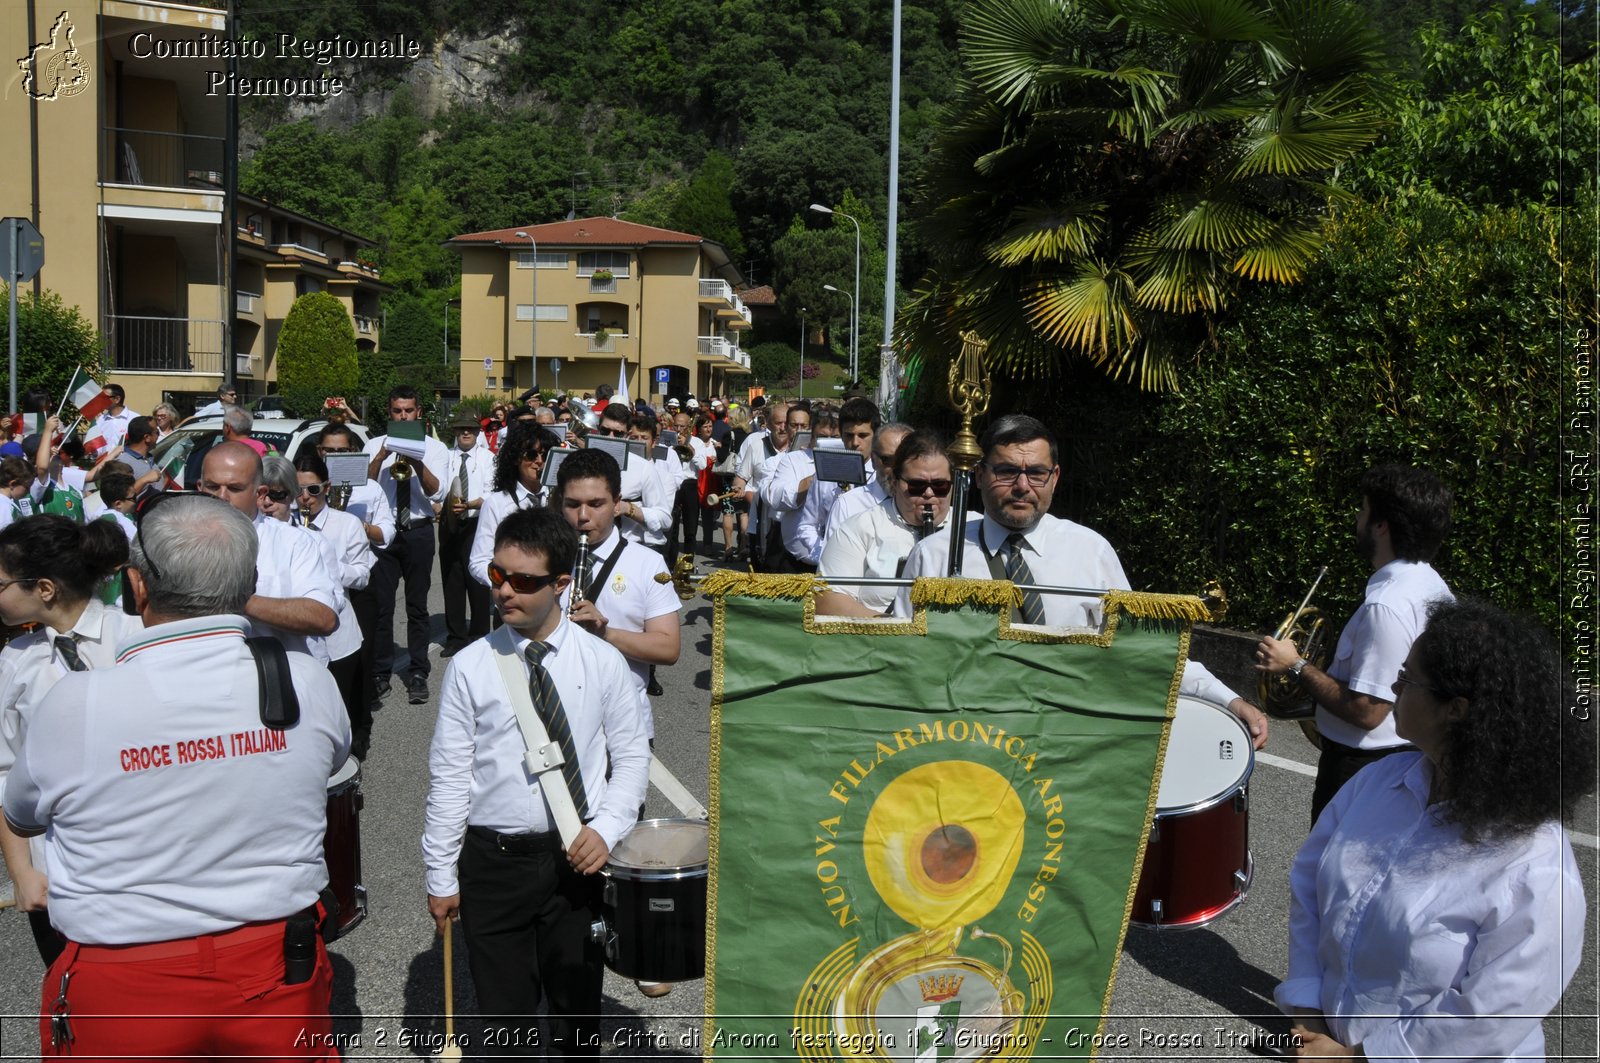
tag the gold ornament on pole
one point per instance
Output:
(969, 395)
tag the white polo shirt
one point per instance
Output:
(477, 774)
(641, 486)
(289, 565)
(171, 810)
(1374, 644)
(630, 597)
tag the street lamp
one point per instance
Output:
(852, 297)
(802, 352)
(855, 322)
(533, 324)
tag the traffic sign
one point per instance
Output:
(663, 374)
(488, 364)
(22, 248)
(555, 366)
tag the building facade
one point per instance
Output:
(571, 305)
(115, 149)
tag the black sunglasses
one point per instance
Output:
(277, 494)
(940, 488)
(521, 582)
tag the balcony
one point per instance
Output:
(167, 160)
(246, 302)
(290, 249)
(165, 344)
(359, 269)
(366, 326)
(244, 365)
(608, 345)
(607, 286)
(712, 346)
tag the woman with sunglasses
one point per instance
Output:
(874, 544)
(518, 467)
(1436, 909)
(50, 570)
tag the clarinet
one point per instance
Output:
(927, 522)
(577, 573)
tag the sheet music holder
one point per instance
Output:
(552, 465)
(613, 445)
(347, 470)
(841, 466)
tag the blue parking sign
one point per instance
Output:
(661, 375)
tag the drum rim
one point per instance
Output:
(1240, 785)
(628, 873)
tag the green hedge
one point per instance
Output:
(316, 354)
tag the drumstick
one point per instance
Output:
(451, 1050)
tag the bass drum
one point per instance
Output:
(655, 901)
(341, 847)
(1197, 861)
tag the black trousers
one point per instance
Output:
(686, 517)
(365, 604)
(461, 592)
(525, 917)
(1337, 765)
(354, 680)
(408, 557)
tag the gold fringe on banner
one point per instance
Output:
(725, 581)
(1158, 606)
(939, 590)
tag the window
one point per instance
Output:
(547, 312)
(615, 261)
(488, 383)
(547, 259)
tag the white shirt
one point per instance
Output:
(289, 565)
(1374, 644)
(641, 486)
(781, 491)
(756, 466)
(873, 544)
(113, 427)
(437, 459)
(346, 637)
(817, 512)
(479, 462)
(1059, 553)
(352, 550)
(1416, 944)
(630, 597)
(497, 506)
(477, 774)
(705, 453)
(226, 830)
(852, 503)
(369, 505)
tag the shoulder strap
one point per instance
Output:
(543, 756)
(598, 583)
(280, 706)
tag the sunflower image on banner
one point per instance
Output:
(926, 834)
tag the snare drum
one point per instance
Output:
(1197, 861)
(655, 901)
(341, 846)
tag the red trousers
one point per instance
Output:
(210, 997)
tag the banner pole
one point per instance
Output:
(969, 394)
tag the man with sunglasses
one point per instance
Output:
(1018, 540)
(875, 543)
(646, 512)
(490, 845)
(294, 600)
(1404, 517)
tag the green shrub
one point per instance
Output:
(773, 362)
(52, 340)
(316, 355)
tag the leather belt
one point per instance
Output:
(530, 842)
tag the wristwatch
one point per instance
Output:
(1298, 666)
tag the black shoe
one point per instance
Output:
(417, 689)
(654, 688)
(381, 685)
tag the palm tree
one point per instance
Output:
(1114, 170)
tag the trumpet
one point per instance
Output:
(401, 469)
(1280, 695)
(579, 569)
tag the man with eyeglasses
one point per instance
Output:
(409, 556)
(490, 844)
(646, 514)
(345, 534)
(876, 542)
(1404, 517)
(293, 600)
(1018, 540)
(859, 422)
(364, 500)
(227, 395)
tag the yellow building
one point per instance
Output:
(115, 150)
(570, 304)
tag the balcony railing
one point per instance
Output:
(602, 287)
(366, 326)
(244, 365)
(713, 345)
(602, 346)
(165, 344)
(711, 288)
(245, 302)
(172, 160)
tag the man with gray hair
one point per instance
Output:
(294, 599)
(185, 838)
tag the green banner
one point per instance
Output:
(925, 834)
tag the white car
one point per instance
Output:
(285, 435)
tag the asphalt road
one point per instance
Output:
(1199, 994)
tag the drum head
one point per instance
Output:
(661, 844)
(350, 770)
(1208, 755)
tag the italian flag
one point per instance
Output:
(171, 467)
(85, 394)
(94, 445)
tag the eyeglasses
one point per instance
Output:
(314, 489)
(1404, 680)
(1038, 475)
(337, 450)
(940, 488)
(4, 583)
(521, 582)
(277, 494)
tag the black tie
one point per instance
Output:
(1017, 572)
(547, 702)
(67, 647)
(402, 504)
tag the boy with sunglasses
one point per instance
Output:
(490, 845)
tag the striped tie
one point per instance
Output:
(1017, 572)
(547, 702)
(67, 647)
